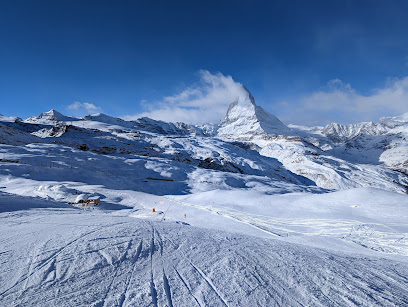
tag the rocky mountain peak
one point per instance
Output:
(51, 117)
(244, 119)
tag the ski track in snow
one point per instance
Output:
(124, 295)
(166, 284)
(50, 261)
(232, 270)
(207, 280)
(153, 291)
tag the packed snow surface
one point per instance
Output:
(66, 257)
(246, 212)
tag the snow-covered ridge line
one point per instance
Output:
(331, 157)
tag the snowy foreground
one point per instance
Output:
(249, 212)
(286, 250)
(58, 256)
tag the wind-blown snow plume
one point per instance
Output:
(202, 103)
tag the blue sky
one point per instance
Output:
(307, 62)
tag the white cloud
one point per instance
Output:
(205, 102)
(340, 102)
(208, 101)
(80, 107)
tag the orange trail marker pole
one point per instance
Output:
(185, 215)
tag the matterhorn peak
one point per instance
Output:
(245, 119)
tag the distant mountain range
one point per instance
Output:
(248, 140)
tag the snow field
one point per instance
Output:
(65, 256)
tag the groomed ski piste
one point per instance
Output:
(56, 255)
(191, 219)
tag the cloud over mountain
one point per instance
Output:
(206, 101)
(80, 107)
(339, 101)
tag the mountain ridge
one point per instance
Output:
(333, 157)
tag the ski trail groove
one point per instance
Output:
(166, 283)
(153, 291)
(261, 280)
(116, 264)
(204, 276)
(188, 288)
(167, 289)
(124, 296)
(210, 284)
(48, 260)
(30, 269)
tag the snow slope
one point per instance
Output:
(232, 247)
(248, 211)
(99, 259)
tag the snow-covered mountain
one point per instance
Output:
(245, 120)
(340, 133)
(247, 140)
(385, 142)
(394, 122)
(49, 118)
(246, 211)
(335, 157)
